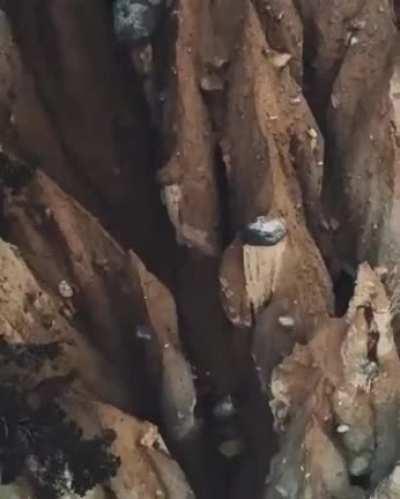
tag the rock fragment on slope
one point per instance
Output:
(264, 231)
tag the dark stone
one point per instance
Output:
(264, 231)
(136, 20)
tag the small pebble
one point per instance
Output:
(343, 428)
(359, 465)
(335, 101)
(231, 448)
(264, 232)
(281, 491)
(281, 413)
(335, 225)
(143, 333)
(219, 62)
(65, 290)
(286, 321)
(353, 41)
(295, 100)
(143, 59)
(280, 60)
(211, 83)
(312, 133)
(359, 24)
(224, 408)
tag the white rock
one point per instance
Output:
(280, 60)
(286, 321)
(353, 40)
(65, 289)
(281, 491)
(312, 133)
(224, 408)
(143, 333)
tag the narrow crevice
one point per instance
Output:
(344, 286)
(225, 225)
(362, 481)
(396, 12)
(133, 136)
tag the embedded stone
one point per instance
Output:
(264, 231)
(135, 20)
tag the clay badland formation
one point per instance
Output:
(200, 246)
